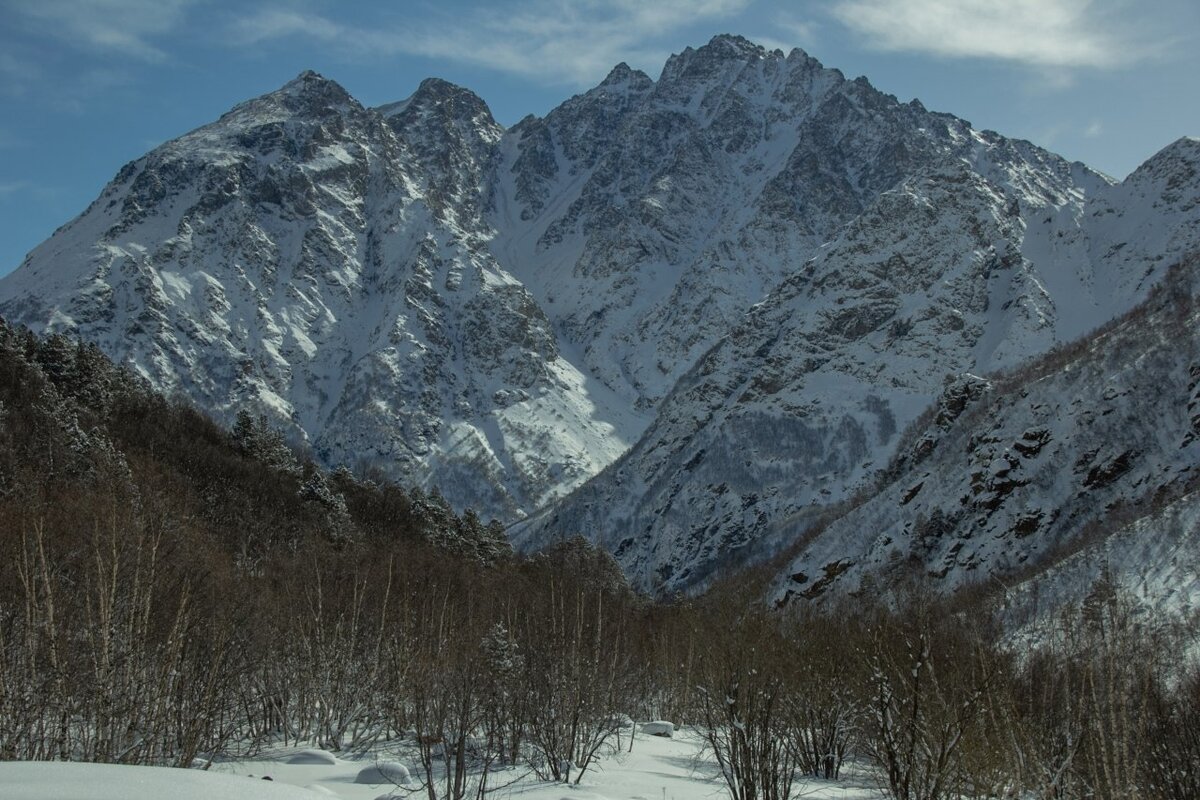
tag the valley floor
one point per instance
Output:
(656, 769)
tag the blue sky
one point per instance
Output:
(87, 85)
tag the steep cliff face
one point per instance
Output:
(1042, 477)
(747, 276)
(328, 263)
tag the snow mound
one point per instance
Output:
(659, 728)
(313, 757)
(383, 772)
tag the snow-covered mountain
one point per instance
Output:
(948, 272)
(328, 264)
(648, 216)
(747, 276)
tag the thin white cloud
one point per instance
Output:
(1049, 134)
(1039, 33)
(280, 23)
(127, 27)
(804, 31)
(1041, 80)
(789, 31)
(557, 41)
(17, 73)
(1094, 131)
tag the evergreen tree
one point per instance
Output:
(256, 439)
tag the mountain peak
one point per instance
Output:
(1180, 160)
(446, 98)
(304, 77)
(728, 45)
(309, 81)
(439, 88)
(723, 52)
(1185, 146)
(624, 74)
(312, 89)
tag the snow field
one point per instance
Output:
(658, 768)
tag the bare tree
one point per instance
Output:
(825, 702)
(929, 685)
(580, 674)
(1171, 768)
(744, 694)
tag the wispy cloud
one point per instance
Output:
(553, 40)
(126, 27)
(802, 30)
(796, 32)
(17, 73)
(1094, 131)
(1038, 33)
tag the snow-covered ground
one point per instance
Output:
(656, 769)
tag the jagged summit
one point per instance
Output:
(1184, 150)
(436, 92)
(800, 55)
(449, 132)
(731, 47)
(623, 74)
(310, 90)
(721, 54)
(305, 79)
(440, 118)
(309, 98)
(728, 45)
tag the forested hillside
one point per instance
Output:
(172, 591)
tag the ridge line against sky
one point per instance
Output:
(90, 84)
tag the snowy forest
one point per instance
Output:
(171, 590)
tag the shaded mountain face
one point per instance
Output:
(1043, 477)
(747, 276)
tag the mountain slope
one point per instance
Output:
(326, 262)
(1043, 474)
(948, 273)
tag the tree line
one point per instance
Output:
(172, 591)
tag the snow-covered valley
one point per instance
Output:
(655, 768)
